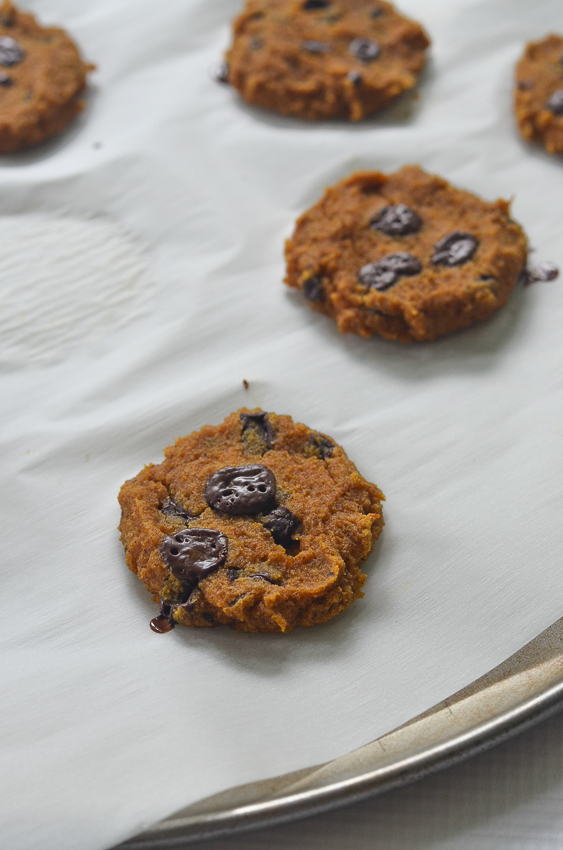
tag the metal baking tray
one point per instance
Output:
(525, 689)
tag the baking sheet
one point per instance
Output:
(140, 283)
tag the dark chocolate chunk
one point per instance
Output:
(282, 524)
(11, 52)
(455, 249)
(171, 508)
(312, 46)
(311, 5)
(238, 490)
(260, 423)
(321, 446)
(194, 552)
(397, 220)
(232, 574)
(5, 79)
(542, 273)
(555, 102)
(355, 78)
(387, 271)
(313, 289)
(220, 73)
(364, 49)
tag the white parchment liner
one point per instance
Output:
(106, 726)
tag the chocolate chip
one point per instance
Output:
(236, 599)
(5, 80)
(486, 277)
(282, 524)
(525, 85)
(193, 553)
(238, 490)
(232, 574)
(376, 13)
(387, 271)
(398, 220)
(321, 446)
(312, 46)
(555, 102)
(455, 249)
(260, 424)
(220, 73)
(543, 272)
(364, 49)
(313, 289)
(355, 78)
(266, 577)
(171, 508)
(10, 51)
(311, 5)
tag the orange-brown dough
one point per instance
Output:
(538, 93)
(405, 255)
(41, 79)
(324, 58)
(270, 581)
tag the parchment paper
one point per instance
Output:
(140, 283)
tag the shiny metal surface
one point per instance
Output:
(520, 692)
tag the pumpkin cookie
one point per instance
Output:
(324, 58)
(405, 255)
(538, 93)
(259, 523)
(41, 78)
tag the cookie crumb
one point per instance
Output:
(245, 384)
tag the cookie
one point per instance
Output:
(538, 93)
(321, 59)
(41, 78)
(258, 523)
(405, 255)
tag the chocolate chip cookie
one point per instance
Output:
(405, 255)
(538, 93)
(259, 523)
(321, 59)
(41, 79)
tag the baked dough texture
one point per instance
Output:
(42, 76)
(406, 255)
(293, 560)
(319, 59)
(538, 93)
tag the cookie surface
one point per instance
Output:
(538, 93)
(41, 78)
(259, 523)
(324, 58)
(406, 256)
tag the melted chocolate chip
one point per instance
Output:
(455, 249)
(364, 49)
(555, 102)
(311, 5)
(321, 446)
(171, 508)
(542, 273)
(193, 553)
(397, 220)
(312, 46)
(387, 271)
(5, 80)
(232, 574)
(238, 490)
(11, 52)
(355, 78)
(313, 289)
(258, 422)
(220, 73)
(282, 524)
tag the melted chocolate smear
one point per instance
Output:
(455, 249)
(313, 289)
(364, 49)
(311, 5)
(321, 446)
(555, 102)
(282, 525)
(193, 553)
(397, 220)
(238, 490)
(312, 46)
(220, 73)
(259, 422)
(542, 273)
(387, 271)
(171, 508)
(11, 52)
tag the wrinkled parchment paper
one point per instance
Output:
(140, 283)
